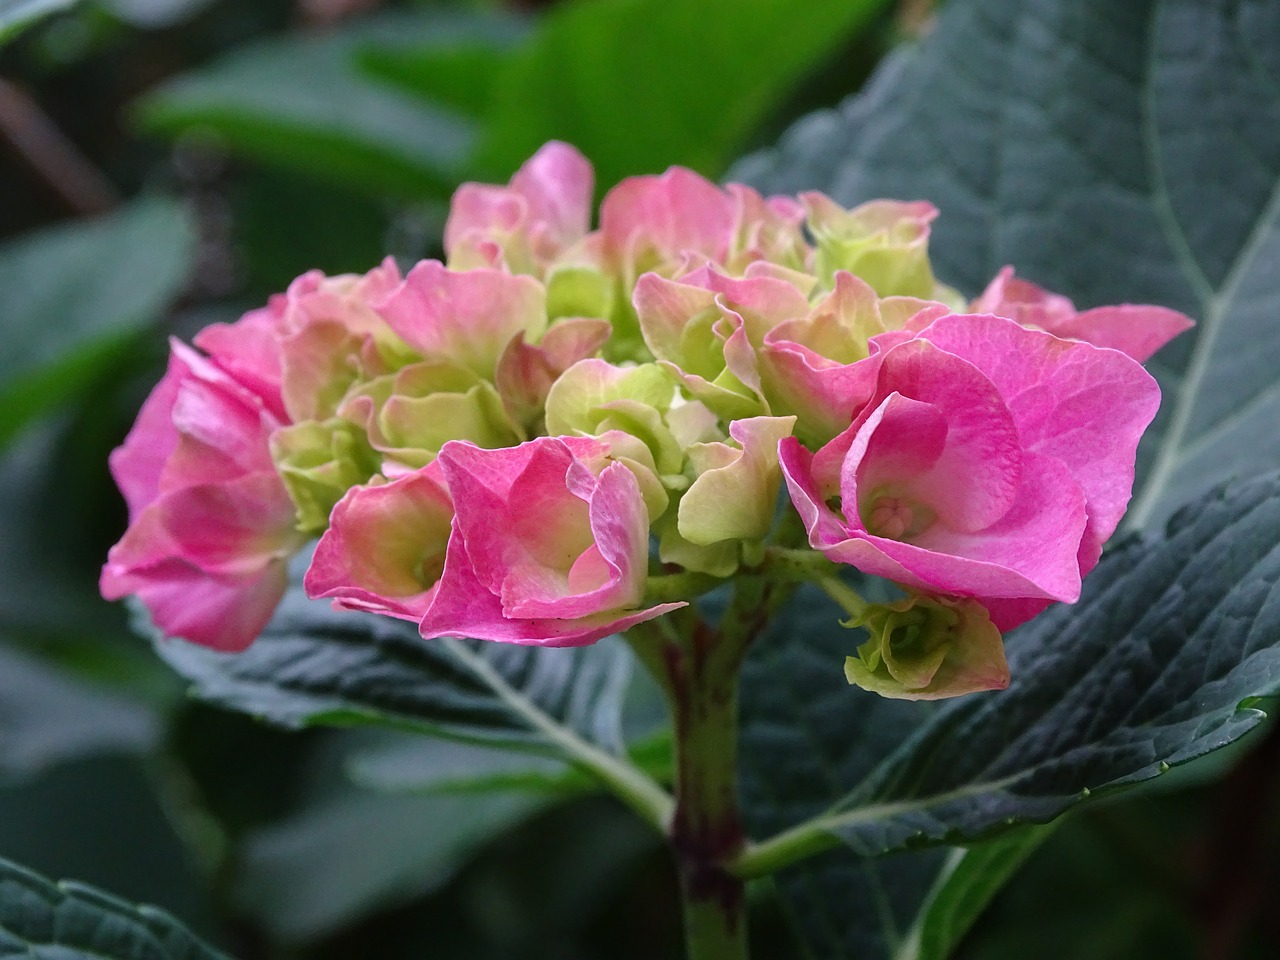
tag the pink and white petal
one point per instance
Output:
(557, 183)
(676, 212)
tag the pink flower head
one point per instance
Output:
(991, 462)
(385, 546)
(465, 318)
(211, 525)
(1136, 329)
(679, 221)
(549, 546)
(524, 226)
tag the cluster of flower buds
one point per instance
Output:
(509, 444)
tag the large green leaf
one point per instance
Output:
(1116, 152)
(41, 920)
(1170, 654)
(302, 102)
(640, 84)
(75, 295)
(313, 665)
(391, 846)
(15, 15)
(48, 717)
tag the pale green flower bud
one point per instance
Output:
(928, 648)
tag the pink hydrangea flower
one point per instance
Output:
(211, 525)
(991, 462)
(550, 545)
(1136, 329)
(524, 226)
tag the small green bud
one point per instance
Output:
(928, 648)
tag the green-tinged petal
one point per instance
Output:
(736, 492)
(885, 242)
(319, 462)
(409, 415)
(575, 400)
(580, 291)
(717, 560)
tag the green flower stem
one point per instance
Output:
(801, 841)
(698, 667)
(850, 600)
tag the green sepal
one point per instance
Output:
(319, 461)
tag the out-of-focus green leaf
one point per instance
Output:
(457, 75)
(302, 102)
(432, 765)
(334, 861)
(72, 297)
(641, 84)
(969, 878)
(47, 717)
(71, 921)
(15, 15)
(1113, 885)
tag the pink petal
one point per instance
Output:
(1133, 329)
(557, 183)
(1084, 405)
(223, 612)
(669, 214)
(468, 317)
(961, 457)
(464, 608)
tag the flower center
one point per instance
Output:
(897, 518)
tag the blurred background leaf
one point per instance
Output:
(18, 14)
(76, 296)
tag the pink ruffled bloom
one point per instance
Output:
(210, 523)
(550, 545)
(991, 461)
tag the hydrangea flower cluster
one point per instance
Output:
(509, 444)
